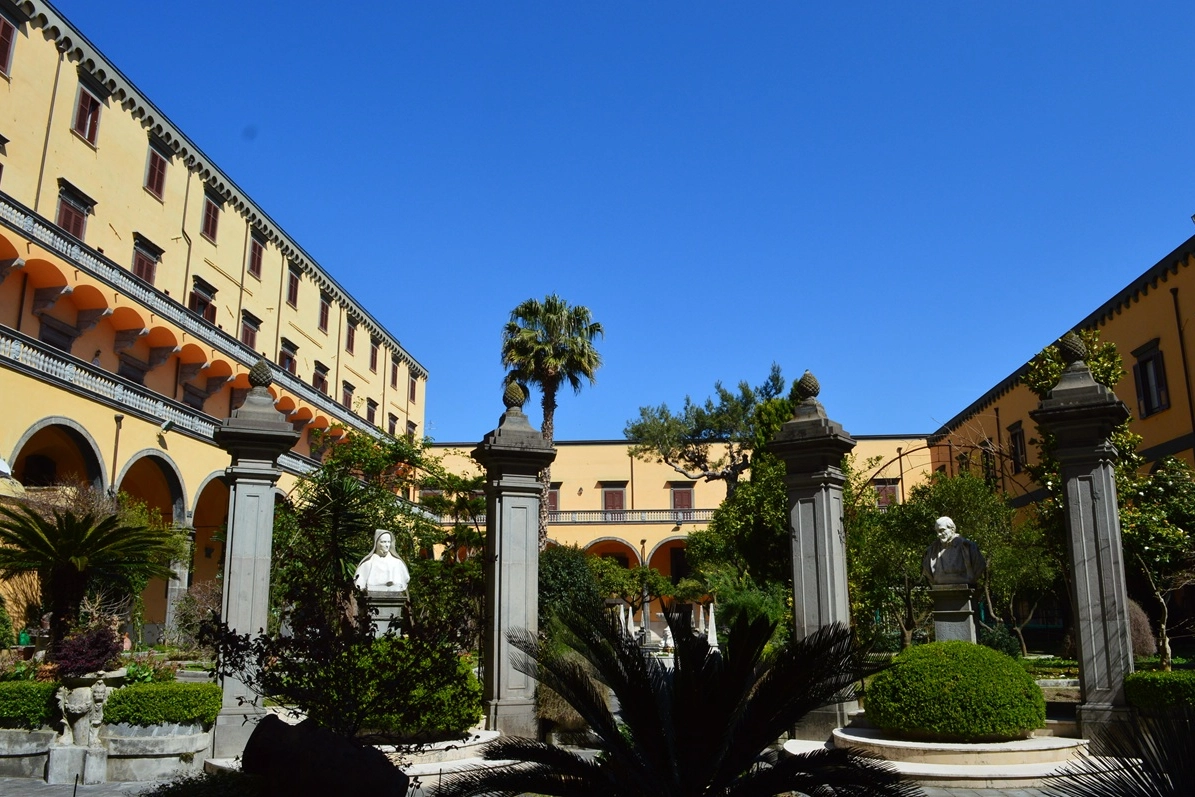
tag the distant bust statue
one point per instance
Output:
(381, 570)
(952, 559)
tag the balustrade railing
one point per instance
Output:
(677, 516)
(90, 381)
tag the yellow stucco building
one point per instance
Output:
(138, 285)
(1147, 320)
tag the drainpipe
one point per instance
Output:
(45, 150)
(21, 306)
(1182, 348)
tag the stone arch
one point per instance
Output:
(617, 547)
(662, 558)
(209, 518)
(171, 476)
(67, 444)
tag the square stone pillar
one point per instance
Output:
(513, 456)
(256, 435)
(812, 447)
(1081, 414)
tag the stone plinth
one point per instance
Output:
(954, 612)
(256, 435)
(513, 456)
(1082, 414)
(388, 610)
(812, 447)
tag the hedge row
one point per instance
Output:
(1154, 690)
(156, 703)
(27, 704)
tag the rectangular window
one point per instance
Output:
(319, 379)
(288, 356)
(1018, 453)
(257, 250)
(394, 373)
(325, 309)
(682, 501)
(412, 430)
(146, 256)
(412, 387)
(8, 41)
(250, 324)
(87, 115)
(392, 424)
(887, 492)
(613, 503)
(71, 217)
(350, 337)
(346, 395)
(554, 497)
(373, 356)
(1149, 373)
(202, 301)
(371, 411)
(292, 286)
(155, 173)
(211, 218)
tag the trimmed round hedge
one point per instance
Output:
(955, 692)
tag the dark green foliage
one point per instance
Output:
(437, 703)
(87, 651)
(1148, 757)
(27, 704)
(705, 727)
(205, 784)
(999, 638)
(565, 580)
(157, 703)
(955, 691)
(7, 637)
(1160, 689)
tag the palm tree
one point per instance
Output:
(547, 344)
(73, 551)
(704, 728)
(1151, 756)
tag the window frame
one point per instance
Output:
(155, 178)
(202, 299)
(346, 395)
(293, 278)
(288, 356)
(210, 225)
(1018, 451)
(7, 50)
(325, 311)
(393, 373)
(319, 378)
(374, 352)
(86, 121)
(371, 412)
(72, 200)
(412, 390)
(146, 257)
(350, 336)
(392, 424)
(257, 254)
(250, 326)
(1149, 377)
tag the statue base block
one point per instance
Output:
(387, 611)
(954, 612)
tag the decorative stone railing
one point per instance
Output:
(677, 516)
(28, 223)
(27, 354)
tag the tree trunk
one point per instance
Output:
(1163, 636)
(545, 476)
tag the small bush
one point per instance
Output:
(92, 650)
(1159, 691)
(1140, 632)
(442, 701)
(146, 668)
(27, 704)
(1000, 638)
(955, 691)
(154, 704)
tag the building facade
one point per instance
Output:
(1147, 320)
(138, 285)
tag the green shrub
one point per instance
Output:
(208, 784)
(955, 691)
(442, 698)
(7, 637)
(1159, 690)
(27, 704)
(999, 638)
(157, 703)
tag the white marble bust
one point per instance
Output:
(952, 559)
(382, 570)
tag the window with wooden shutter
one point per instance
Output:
(87, 115)
(257, 251)
(8, 41)
(325, 309)
(211, 218)
(155, 173)
(1149, 374)
(292, 286)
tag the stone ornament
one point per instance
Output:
(952, 559)
(82, 713)
(807, 387)
(515, 395)
(382, 571)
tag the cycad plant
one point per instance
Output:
(70, 552)
(705, 727)
(1151, 756)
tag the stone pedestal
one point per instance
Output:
(812, 448)
(387, 610)
(513, 456)
(1081, 414)
(954, 612)
(256, 435)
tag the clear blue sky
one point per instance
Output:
(909, 199)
